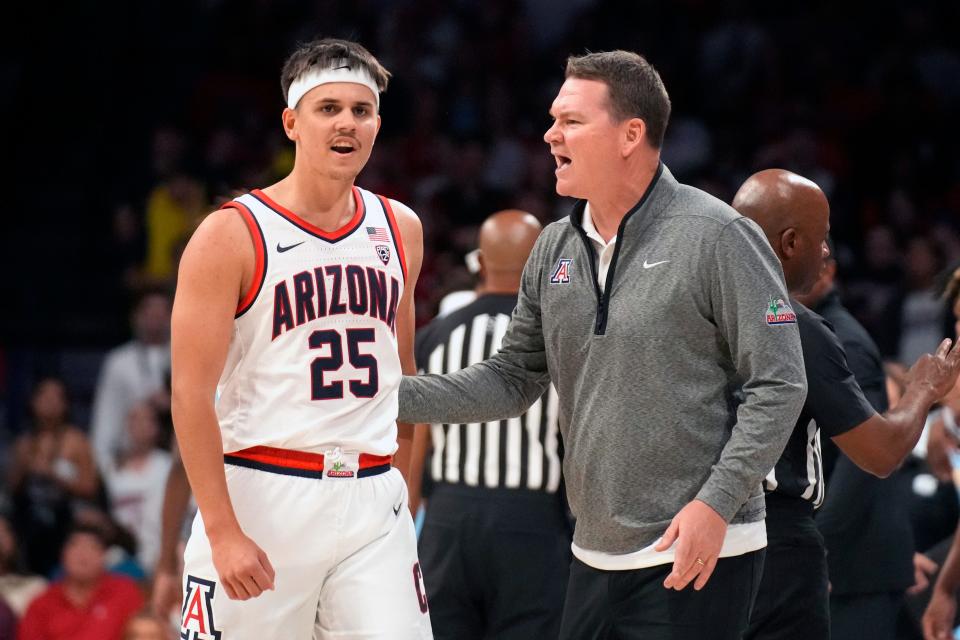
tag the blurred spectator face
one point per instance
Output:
(49, 402)
(169, 146)
(881, 248)
(151, 319)
(125, 225)
(83, 557)
(334, 126)
(584, 139)
(143, 428)
(921, 262)
(145, 627)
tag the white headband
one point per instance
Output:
(341, 72)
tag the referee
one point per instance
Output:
(495, 546)
(793, 598)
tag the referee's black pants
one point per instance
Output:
(634, 605)
(495, 563)
(794, 601)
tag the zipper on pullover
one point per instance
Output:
(603, 297)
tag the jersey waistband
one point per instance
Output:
(335, 463)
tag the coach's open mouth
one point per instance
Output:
(562, 162)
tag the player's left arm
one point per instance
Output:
(411, 235)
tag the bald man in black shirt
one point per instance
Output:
(864, 519)
(793, 598)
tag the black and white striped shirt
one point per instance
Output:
(521, 452)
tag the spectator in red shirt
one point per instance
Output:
(88, 603)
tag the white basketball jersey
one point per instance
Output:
(313, 360)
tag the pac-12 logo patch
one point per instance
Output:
(779, 312)
(196, 619)
(384, 252)
(561, 272)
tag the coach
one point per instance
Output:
(648, 308)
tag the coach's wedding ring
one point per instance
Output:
(700, 562)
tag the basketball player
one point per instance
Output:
(291, 307)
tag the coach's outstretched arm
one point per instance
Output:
(500, 387)
(215, 269)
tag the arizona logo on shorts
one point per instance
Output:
(196, 619)
(561, 272)
(384, 252)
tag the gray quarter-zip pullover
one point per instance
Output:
(682, 379)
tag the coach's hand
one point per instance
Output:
(698, 531)
(244, 569)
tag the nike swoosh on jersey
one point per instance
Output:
(650, 265)
(282, 249)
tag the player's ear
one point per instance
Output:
(379, 122)
(289, 118)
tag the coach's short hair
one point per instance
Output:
(635, 87)
(326, 52)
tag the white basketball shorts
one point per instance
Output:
(343, 546)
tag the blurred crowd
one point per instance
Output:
(867, 111)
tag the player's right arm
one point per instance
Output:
(216, 267)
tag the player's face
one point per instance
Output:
(584, 139)
(335, 127)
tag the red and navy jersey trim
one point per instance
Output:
(260, 259)
(395, 232)
(300, 463)
(303, 225)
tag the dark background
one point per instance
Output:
(105, 101)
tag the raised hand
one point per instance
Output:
(937, 372)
